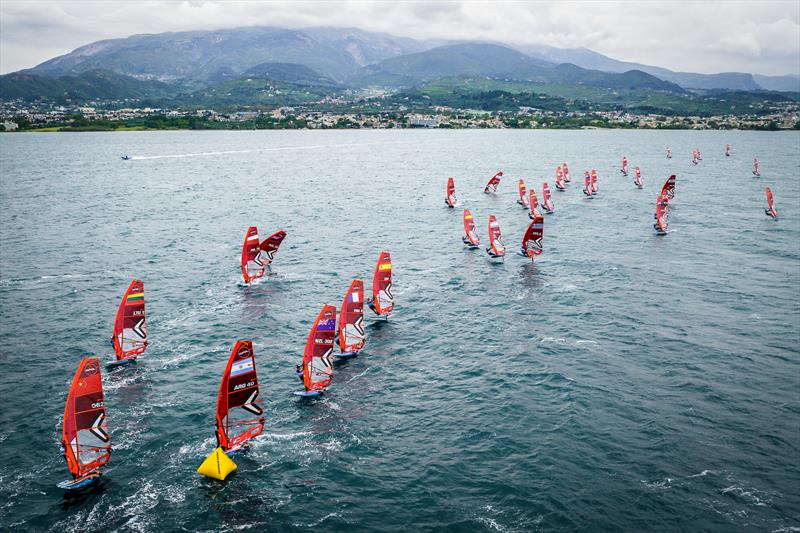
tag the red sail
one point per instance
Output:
(130, 329)
(638, 179)
(559, 178)
(240, 409)
(87, 445)
(491, 187)
(523, 201)
(548, 201)
(594, 182)
(318, 354)
(382, 297)
(668, 190)
(532, 240)
(624, 168)
(270, 246)
(252, 264)
(755, 167)
(587, 184)
(470, 235)
(450, 193)
(771, 211)
(351, 319)
(566, 172)
(497, 248)
(534, 210)
(661, 215)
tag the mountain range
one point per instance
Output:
(333, 59)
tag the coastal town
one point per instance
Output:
(19, 115)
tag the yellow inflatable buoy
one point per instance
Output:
(217, 465)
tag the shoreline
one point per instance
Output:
(67, 129)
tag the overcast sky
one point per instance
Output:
(707, 36)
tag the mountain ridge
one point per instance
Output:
(335, 52)
(325, 60)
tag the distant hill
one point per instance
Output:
(630, 80)
(779, 83)
(583, 57)
(90, 85)
(468, 59)
(484, 59)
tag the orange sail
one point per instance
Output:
(270, 246)
(559, 179)
(547, 201)
(351, 319)
(470, 237)
(450, 193)
(318, 354)
(770, 204)
(523, 200)
(382, 298)
(532, 240)
(252, 265)
(534, 205)
(668, 190)
(496, 246)
(240, 411)
(661, 216)
(494, 181)
(85, 440)
(130, 329)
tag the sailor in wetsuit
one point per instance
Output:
(299, 370)
(62, 447)
(371, 304)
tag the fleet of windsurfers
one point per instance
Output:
(130, 338)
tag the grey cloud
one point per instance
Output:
(759, 37)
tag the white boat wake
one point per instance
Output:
(276, 149)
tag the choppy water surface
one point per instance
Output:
(623, 382)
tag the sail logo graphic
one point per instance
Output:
(243, 351)
(249, 405)
(97, 428)
(242, 367)
(140, 330)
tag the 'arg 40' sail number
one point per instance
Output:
(244, 385)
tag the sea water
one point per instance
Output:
(624, 381)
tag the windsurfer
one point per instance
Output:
(62, 447)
